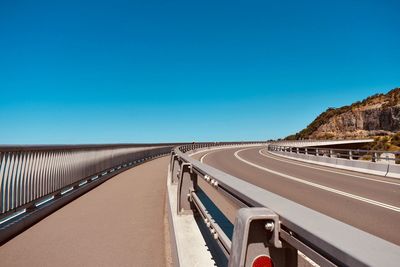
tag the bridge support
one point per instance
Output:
(256, 238)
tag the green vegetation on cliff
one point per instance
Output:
(387, 143)
(390, 99)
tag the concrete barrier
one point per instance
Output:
(394, 171)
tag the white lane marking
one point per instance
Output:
(202, 158)
(214, 150)
(209, 150)
(367, 200)
(205, 155)
(322, 169)
(205, 149)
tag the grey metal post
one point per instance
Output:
(306, 151)
(350, 155)
(187, 184)
(316, 152)
(374, 157)
(175, 169)
(297, 150)
(255, 236)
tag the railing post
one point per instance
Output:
(175, 168)
(374, 157)
(256, 238)
(350, 155)
(297, 150)
(330, 153)
(305, 151)
(316, 152)
(187, 184)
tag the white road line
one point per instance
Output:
(311, 262)
(209, 150)
(205, 155)
(322, 169)
(202, 158)
(363, 199)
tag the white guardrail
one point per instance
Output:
(255, 227)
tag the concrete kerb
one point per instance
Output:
(386, 170)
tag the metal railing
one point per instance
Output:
(36, 180)
(391, 157)
(31, 173)
(312, 142)
(268, 226)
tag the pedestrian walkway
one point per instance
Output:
(119, 223)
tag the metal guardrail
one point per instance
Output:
(32, 177)
(268, 228)
(316, 142)
(351, 154)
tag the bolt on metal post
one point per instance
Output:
(269, 226)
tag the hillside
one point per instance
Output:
(377, 115)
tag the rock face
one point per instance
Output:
(361, 123)
(374, 116)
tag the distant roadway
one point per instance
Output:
(368, 202)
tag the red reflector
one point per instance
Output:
(263, 261)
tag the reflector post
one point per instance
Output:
(262, 261)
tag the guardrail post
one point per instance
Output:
(187, 184)
(175, 168)
(297, 150)
(171, 162)
(305, 151)
(256, 240)
(316, 152)
(374, 157)
(350, 155)
(330, 153)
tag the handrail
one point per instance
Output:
(325, 240)
(9, 148)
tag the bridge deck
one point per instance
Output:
(120, 223)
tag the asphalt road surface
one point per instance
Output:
(368, 202)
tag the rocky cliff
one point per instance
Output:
(374, 116)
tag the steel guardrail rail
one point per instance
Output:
(373, 155)
(325, 240)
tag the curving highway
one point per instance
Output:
(368, 202)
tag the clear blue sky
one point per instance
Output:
(147, 71)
